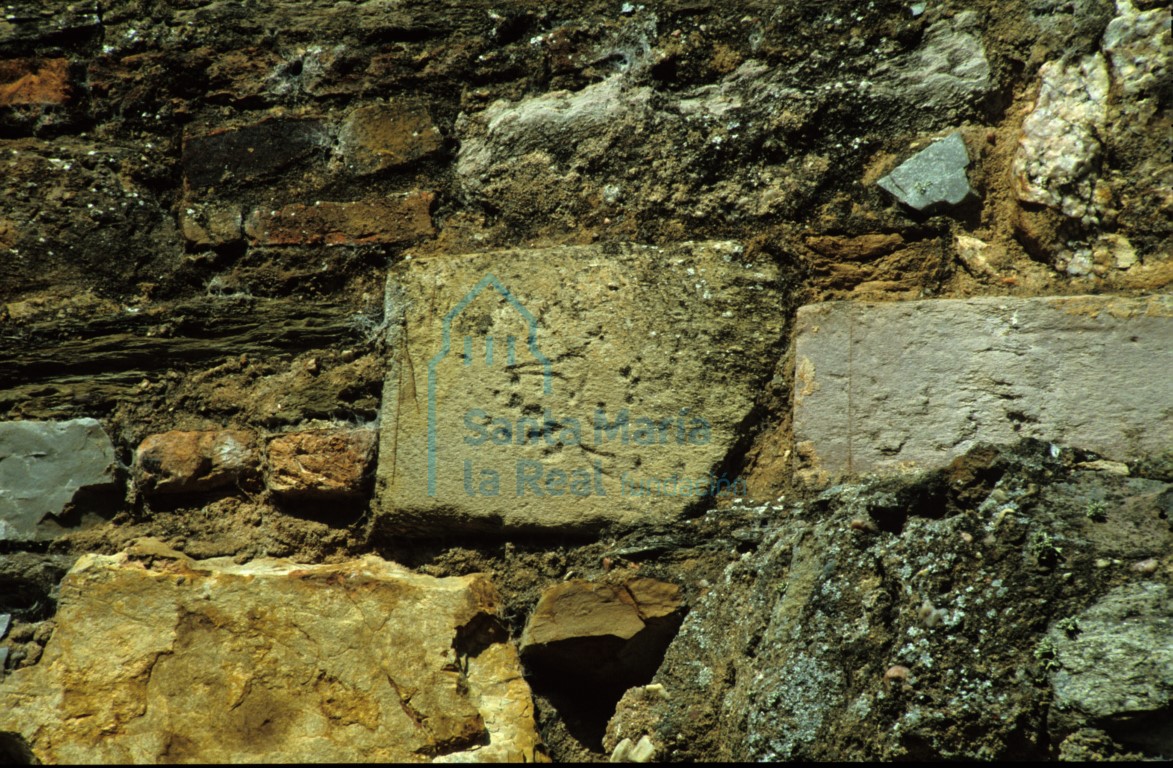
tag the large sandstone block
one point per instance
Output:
(571, 387)
(46, 466)
(884, 387)
(160, 658)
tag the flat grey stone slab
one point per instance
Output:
(886, 387)
(44, 465)
(932, 177)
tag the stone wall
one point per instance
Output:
(517, 338)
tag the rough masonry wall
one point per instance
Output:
(230, 234)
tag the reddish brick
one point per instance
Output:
(33, 81)
(320, 464)
(385, 221)
(196, 462)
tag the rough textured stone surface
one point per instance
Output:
(932, 177)
(643, 364)
(971, 252)
(1138, 45)
(606, 635)
(1057, 163)
(45, 466)
(1114, 660)
(636, 716)
(957, 576)
(883, 387)
(382, 136)
(948, 70)
(130, 292)
(561, 153)
(28, 577)
(211, 224)
(24, 81)
(196, 462)
(392, 220)
(322, 464)
(230, 157)
(158, 657)
(55, 217)
(855, 248)
(30, 21)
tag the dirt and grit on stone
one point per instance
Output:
(598, 381)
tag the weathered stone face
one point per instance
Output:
(157, 657)
(833, 637)
(603, 635)
(894, 386)
(381, 136)
(1056, 159)
(196, 462)
(324, 464)
(569, 387)
(44, 465)
(1117, 660)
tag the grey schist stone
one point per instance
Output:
(932, 177)
(1114, 664)
(910, 385)
(46, 465)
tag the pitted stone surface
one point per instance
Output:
(320, 464)
(1058, 154)
(644, 362)
(884, 387)
(1118, 661)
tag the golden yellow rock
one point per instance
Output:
(160, 658)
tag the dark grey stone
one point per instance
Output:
(872, 623)
(932, 177)
(1116, 659)
(1113, 663)
(46, 465)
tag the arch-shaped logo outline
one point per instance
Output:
(446, 345)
